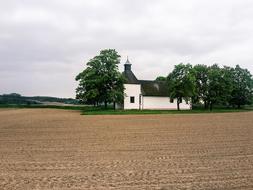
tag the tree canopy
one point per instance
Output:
(201, 84)
(160, 78)
(181, 83)
(101, 81)
(242, 87)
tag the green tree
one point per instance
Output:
(242, 92)
(214, 87)
(219, 85)
(227, 83)
(201, 84)
(161, 78)
(181, 83)
(101, 81)
(89, 82)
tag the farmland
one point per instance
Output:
(61, 149)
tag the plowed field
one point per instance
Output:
(60, 149)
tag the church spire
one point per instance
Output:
(127, 65)
(127, 61)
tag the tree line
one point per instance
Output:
(101, 82)
(18, 99)
(210, 85)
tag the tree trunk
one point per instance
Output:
(114, 105)
(211, 106)
(178, 104)
(205, 103)
(239, 106)
(105, 104)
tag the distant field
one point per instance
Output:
(61, 149)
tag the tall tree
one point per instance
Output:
(242, 92)
(101, 81)
(227, 83)
(201, 84)
(219, 85)
(89, 82)
(214, 87)
(181, 83)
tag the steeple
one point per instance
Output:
(127, 61)
(127, 65)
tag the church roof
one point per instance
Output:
(130, 77)
(148, 87)
(154, 88)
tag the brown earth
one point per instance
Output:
(59, 149)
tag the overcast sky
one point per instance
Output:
(44, 44)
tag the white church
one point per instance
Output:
(147, 94)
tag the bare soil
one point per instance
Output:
(60, 149)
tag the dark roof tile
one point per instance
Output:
(130, 77)
(154, 88)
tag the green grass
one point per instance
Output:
(89, 110)
(133, 112)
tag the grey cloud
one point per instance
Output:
(51, 40)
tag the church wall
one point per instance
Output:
(132, 90)
(154, 102)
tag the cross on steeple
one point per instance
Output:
(127, 61)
